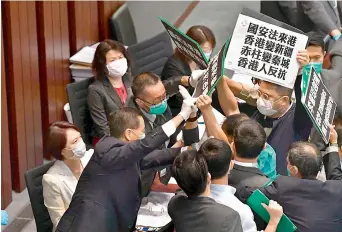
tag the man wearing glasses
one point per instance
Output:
(150, 97)
(284, 121)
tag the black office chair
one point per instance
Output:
(33, 180)
(121, 26)
(150, 55)
(77, 96)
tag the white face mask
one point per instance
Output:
(78, 151)
(265, 107)
(117, 68)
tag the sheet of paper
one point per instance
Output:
(84, 57)
(153, 210)
(265, 51)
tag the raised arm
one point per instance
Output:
(302, 122)
(331, 160)
(213, 128)
(226, 98)
(133, 152)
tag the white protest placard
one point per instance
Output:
(265, 51)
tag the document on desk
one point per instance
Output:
(153, 210)
(83, 57)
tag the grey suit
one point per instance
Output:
(332, 78)
(103, 100)
(202, 214)
(320, 16)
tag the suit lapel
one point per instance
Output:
(334, 7)
(68, 179)
(127, 82)
(111, 92)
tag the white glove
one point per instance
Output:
(196, 75)
(186, 96)
(186, 109)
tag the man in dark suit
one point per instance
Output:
(283, 11)
(196, 211)
(150, 98)
(320, 16)
(249, 141)
(331, 77)
(107, 197)
(312, 205)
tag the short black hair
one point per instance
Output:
(218, 155)
(249, 139)
(231, 122)
(307, 158)
(315, 39)
(143, 80)
(191, 172)
(121, 120)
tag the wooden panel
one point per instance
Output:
(106, 10)
(83, 24)
(6, 182)
(53, 37)
(21, 49)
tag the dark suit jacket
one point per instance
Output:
(283, 11)
(241, 176)
(202, 214)
(312, 205)
(190, 137)
(107, 196)
(317, 16)
(103, 100)
(176, 67)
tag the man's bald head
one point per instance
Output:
(307, 158)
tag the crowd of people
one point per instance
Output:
(268, 143)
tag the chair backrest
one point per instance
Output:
(34, 185)
(150, 55)
(121, 26)
(78, 101)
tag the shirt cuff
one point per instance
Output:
(169, 128)
(332, 149)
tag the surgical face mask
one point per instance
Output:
(317, 66)
(142, 136)
(78, 151)
(288, 172)
(117, 68)
(265, 107)
(158, 109)
(207, 55)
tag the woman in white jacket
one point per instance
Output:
(65, 144)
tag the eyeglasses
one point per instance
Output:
(164, 98)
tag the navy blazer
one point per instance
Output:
(107, 197)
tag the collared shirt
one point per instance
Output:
(224, 194)
(250, 165)
(150, 117)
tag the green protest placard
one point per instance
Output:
(318, 102)
(186, 45)
(213, 74)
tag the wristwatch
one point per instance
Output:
(333, 144)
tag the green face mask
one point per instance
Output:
(159, 109)
(288, 172)
(317, 66)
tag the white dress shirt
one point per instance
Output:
(59, 185)
(224, 194)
